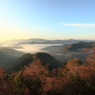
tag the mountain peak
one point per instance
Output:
(29, 58)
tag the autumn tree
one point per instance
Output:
(72, 63)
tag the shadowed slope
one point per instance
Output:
(27, 58)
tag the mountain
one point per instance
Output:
(52, 48)
(36, 40)
(44, 41)
(69, 51)
(27, 58)
(8, 55)
(70, 47)
(63, 53)
(78, 46)
(31, 41)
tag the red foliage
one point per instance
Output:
(72, 79)
(85, 49)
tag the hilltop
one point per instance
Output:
(27, 58)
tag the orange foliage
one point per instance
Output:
(85, 49)
(74, 78)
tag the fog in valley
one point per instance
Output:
(34, 48)
(54, 50)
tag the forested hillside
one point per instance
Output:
(27, 58)
(73, 78)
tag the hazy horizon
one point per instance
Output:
(16, 41)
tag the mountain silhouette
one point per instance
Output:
(27, 58)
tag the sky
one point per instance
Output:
(47, 19)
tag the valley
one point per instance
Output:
(15, 59)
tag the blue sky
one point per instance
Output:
(48, 19)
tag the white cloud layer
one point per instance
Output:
(81, 25)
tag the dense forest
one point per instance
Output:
(73, 78)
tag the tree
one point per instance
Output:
(72, 63)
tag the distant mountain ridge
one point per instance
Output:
(70, 47)
(44, 41)
(78, 46)
(69, 51)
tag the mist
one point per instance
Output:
(34, 48)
